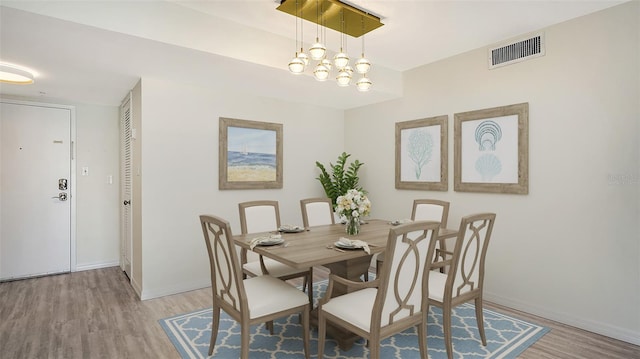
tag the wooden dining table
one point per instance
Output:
(315, 246)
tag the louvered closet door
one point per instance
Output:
(125, 185)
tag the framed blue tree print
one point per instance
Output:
(421, 154)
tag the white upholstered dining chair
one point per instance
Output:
(264, 216)
(248, 301)
(425, 210)
(464, 280)
(316, 211)
(396, 300)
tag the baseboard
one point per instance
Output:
(137, 288)
(589, 325)
(170, 290)
(84, 267)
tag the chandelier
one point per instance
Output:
(347, 20)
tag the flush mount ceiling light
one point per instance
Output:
(343, 18)
(15, 74)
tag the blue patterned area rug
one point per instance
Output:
(507, 337)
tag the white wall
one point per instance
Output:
(180, 172)
(569, 250)
(98, 229)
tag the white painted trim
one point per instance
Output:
(91, 266)
(136, 287)
(589, 325)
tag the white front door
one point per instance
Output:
(35, 190)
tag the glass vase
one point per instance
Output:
(353, 226)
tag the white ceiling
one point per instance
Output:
(95, 51)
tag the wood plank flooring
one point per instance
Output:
(96, 314)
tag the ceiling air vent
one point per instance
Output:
(512, 52)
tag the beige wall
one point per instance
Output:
(180, 172)
(569, 250)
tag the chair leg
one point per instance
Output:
(215, 323)
(269, 326)
(374, 347)
(480, 320)
(446, 319)
(322, 327)
(244, 340)
(305, 330)
(422, 338)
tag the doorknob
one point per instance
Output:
(62, 196)
(127, 202)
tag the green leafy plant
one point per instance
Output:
(340, 180)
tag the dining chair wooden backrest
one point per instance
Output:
(396, 300)
(256, 217)
(264, 216)
(259, 216)
(248, 301)
(464, 280)
(431, 210)
(425, 210)
(316, 211)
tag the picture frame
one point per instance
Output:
(422, 154)
(250, 154)
(491, 150)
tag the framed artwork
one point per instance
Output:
(491, 150)
(250, 154)
(421, 154)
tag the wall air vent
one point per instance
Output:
(520, 50)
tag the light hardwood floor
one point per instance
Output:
(96, 314)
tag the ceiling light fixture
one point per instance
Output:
(317, 50)
(296, 65)
(15, 74)
(346, 20)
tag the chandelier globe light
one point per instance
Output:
(364, 84)
(362, 65)
(321, 73)
(317, 51)
(303, 57)
(296, 65)
(344, 18)
(326, 63)
(341, 60)
(343, 78)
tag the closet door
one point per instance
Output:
(35, 190)
(125, 185)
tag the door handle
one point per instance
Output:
(62, 196)
(126, 202)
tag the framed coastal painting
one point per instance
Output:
(491, 150)
(421, 154)
(250, 154)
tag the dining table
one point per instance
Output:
(316, 246)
